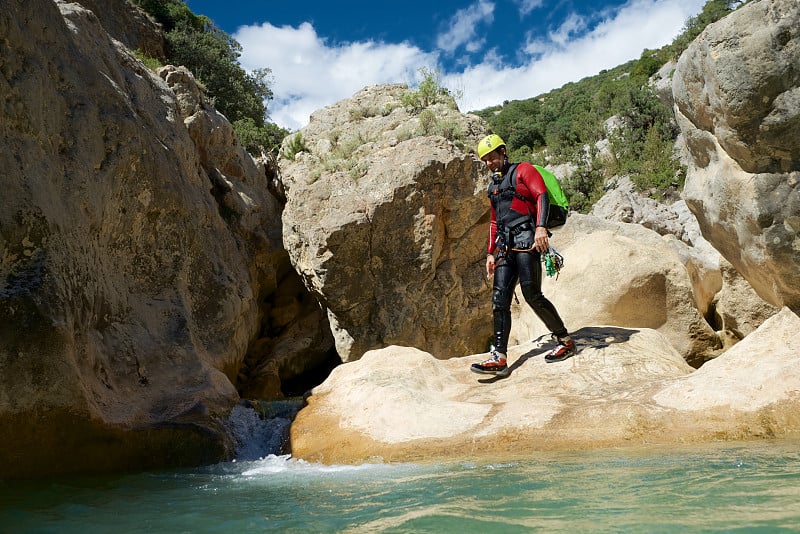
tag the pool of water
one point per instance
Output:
(742, 487)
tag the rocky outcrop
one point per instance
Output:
(625, 387)
(386, 223)
(760, 375)
(669, 296)
(737, 96)
(623, 203)
(292, 339)
(145, 287)
(142, 275)
(624, 275)
(125, 22)
(721, 299)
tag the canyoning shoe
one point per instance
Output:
(564, 349)
(495, 365)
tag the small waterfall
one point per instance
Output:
(261, 428)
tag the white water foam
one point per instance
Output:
(286, 464)
(256, 438)
(260, 447)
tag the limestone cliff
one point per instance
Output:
(149, 279)
(737, 99)
(143, 282)
(386, 221)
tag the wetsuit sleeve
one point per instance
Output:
(492, 232)
(529, 178)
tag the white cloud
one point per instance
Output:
(309, 74)
(638, 25)
(573, 25)
(463, 27)
(526, 6)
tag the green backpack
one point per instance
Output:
(559, 205)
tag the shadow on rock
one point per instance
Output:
(596, 337)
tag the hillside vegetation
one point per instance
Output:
(562, 126)
(565, 125)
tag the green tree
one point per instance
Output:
(648, 64)
(658, 170)
(213, 57)
(256, 138)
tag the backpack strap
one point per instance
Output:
(513, 180)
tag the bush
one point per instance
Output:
(429, 92)
(212, 55)
(150, 62)
(257, 139)
(296, 145)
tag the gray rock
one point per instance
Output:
(624, 204)
(736, 89)
(386, 224)
(738, 81)
(126, 22)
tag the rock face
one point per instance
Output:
(140, 256)
(625, 387)
(737, 96)
(125, 22)
(705, 305)
(623, 203)
(625, 275)
(640, 279)
(386, 223)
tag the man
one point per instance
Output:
(517, 235)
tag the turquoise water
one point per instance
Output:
(750, 487)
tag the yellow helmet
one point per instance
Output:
(489, 143)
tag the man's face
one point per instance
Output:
(494, 160)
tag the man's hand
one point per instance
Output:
(540, 239)
(489, 266)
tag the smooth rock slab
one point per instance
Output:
(625, 387)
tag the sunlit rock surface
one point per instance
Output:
(625, 387)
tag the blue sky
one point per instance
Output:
(487, 51)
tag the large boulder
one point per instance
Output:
(737, 101)
(721, 296)
(386, 223)
(626, 275)
(758, 376)
(625, 387)
(140, 252)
